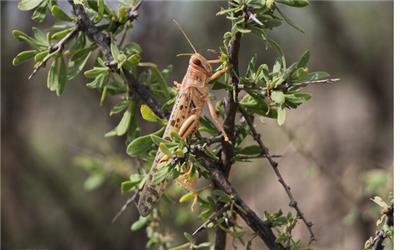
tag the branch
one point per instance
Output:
(133, 14)
(140, 91)
(286, 85)
(103, 41)
(212, 217)
(227, 150)
(56, 47)
(274, 164)
(263, 229)
(380, 235)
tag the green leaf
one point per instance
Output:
(250, 150)
(62, 77)
(124, 123)
(281, 116)
(95, 72)
(313, 76)
(161, 174)
(189, 237)
(60, 14)
(115, 51)
(186, 197)
(158, 140)
(148, 114)
(165, 150)
(52, 78)
(78, 62)
(62, 33)
(304, 59)
(299, 73)
(132, 48)
(21, 36)
(140, 146)
(40, 37)
(29, 4)
(278, 97)
(40, 13)
(140, 223)
(127, 186)
(100, 10)
(222, 196)
(133, 181)
(56, 77)
(119, 107)
(41, 55)
(24, 56)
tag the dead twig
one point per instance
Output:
(265, 151)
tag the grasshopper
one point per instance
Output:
(184, 119)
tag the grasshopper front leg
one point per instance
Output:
(218, 73)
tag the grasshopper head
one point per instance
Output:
(201, 64)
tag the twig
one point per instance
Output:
(274, 164)
(263, 229)
(209, 141)
(144, 94)
(56, 47)
(214, 215)
(133, 14)
(125, 206)
(251, 157)
(101, 39)
(286, 85)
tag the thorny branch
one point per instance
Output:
(229, 123)
(103, 41)
(274, 165)
(286, 85)
(133, 14)
(263, 229)
(56, 47)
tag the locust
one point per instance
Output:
(184, 120)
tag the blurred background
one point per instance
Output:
(60, 176)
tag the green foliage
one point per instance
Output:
(268, 91)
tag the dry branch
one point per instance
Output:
(265, 151)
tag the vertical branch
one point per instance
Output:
(229, 126)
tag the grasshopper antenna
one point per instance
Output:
(184, 34)
(184, 54)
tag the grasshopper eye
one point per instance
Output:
(197, 62)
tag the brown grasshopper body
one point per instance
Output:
(184, 119)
